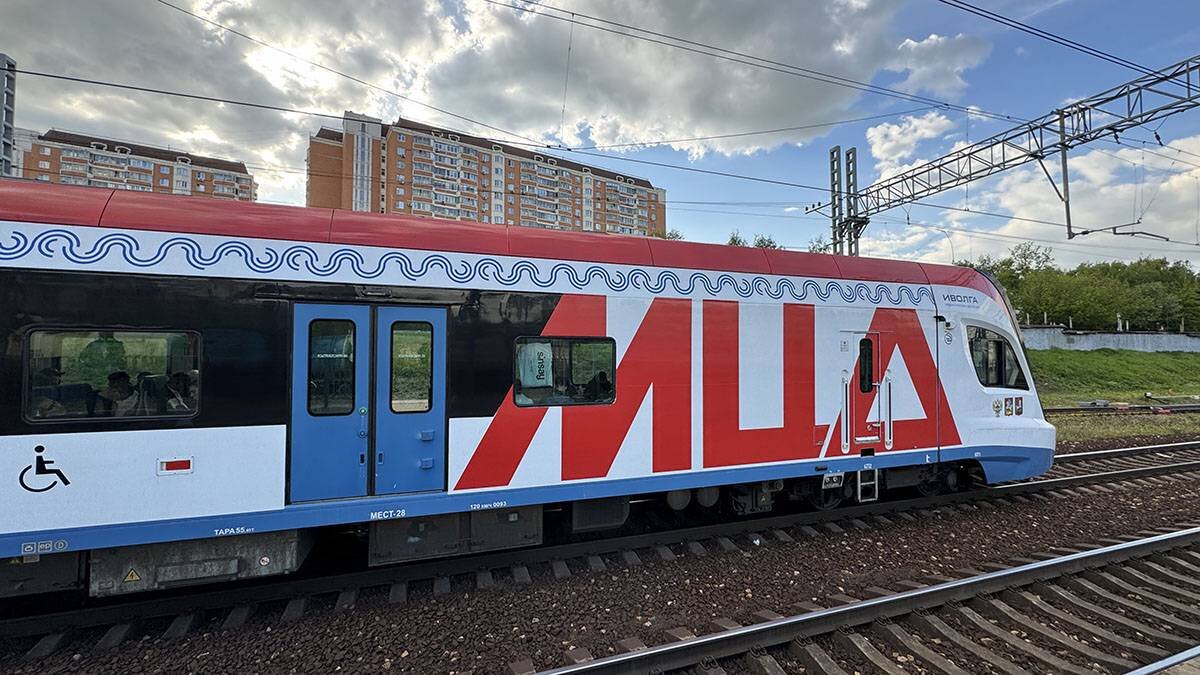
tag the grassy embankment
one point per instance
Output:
(1065, 378)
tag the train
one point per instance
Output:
(193, 390)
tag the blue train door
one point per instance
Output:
(410, 399)
(331, 375)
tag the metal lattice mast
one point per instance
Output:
(837, 243)
(1145, 99)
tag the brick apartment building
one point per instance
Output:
(78, 159)
(417, 169)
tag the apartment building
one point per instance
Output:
(8, 107)
(413, 168)
(79, 159)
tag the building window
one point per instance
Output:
(400, 137)
(44, 150)
(97, 374)
(43, 165)
(554, 371)
(399, 191)
(164, 169)
(200, 188)
(995, 360)
(199, 175)
(412, 367)
(43, 177)
(399, 205)
(163, 182)
(399, 164)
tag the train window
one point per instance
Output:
(994, 359)
(866, 365)
(564, 371)
(412, 367)
(330, 367)
(98, 374)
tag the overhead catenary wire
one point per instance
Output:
(339, 73)
(286, 109)
(562, 118)
(950, 228)
(741, 134)
(1049, 35)
(1082, 248)
(669, 205)
(410, 99)
(735, 56)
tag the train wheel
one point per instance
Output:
(826, 500)
(931, 488)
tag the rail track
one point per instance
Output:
(1075, 463)
(1138, 409)
(1126, 606)
(107, 624)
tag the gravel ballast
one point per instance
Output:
(484, 631)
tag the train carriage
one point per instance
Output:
(190, 388)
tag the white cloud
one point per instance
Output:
(936, 64)
(1106, 190)
(893, 142)
(486, 62)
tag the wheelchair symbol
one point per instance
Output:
(41, 467)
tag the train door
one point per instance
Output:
(331, 355)
(410, 399)
(863, 397)
(367, 421)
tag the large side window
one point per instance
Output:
(98, 374)
(995, 360)
(564, 371)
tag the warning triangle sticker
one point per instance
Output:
(132, 576)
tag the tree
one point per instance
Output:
(674, 234)
(819, 244)
(765, 241)
(735, 239)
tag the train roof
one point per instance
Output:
(122, 209)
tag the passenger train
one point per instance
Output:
(192, 389)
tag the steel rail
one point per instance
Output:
(1075, 457)
(678, 655)
(1169, 662)
(1139, 408)
(287, 588)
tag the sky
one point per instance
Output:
(493, 65)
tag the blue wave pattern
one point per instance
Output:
(265, 259)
